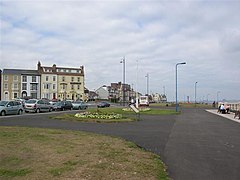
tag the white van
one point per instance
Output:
(143, 101)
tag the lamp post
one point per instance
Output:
(147, 76)
(137, 87)
(176, 84)
(123, 85)
(196, 94)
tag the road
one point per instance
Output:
(194, 145)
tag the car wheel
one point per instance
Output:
(50, 109)
(20, 112)
(3, 113)
(26, 111)
(63, 109)
(37, 110)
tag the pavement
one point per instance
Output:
(196, 145)
(228, 116)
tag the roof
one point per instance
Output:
(20, 72)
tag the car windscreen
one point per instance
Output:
(59, 103)
(3, 103)
(31, 101)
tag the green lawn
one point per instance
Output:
(34, 153)
(126, 116)
(153, 111)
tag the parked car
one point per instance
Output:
(35, 105)
(10, 107)
(63, 105)
(103, 104)
(79, 105)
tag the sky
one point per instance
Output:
(153, 36)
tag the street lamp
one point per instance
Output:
(176, 84)
(147, 76)
(137, 88)
(196, 94)
(123, 85)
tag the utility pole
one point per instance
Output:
(124, 84)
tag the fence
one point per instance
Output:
(233, 106)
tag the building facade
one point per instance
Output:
(62, 83)
(45, 82)
(20, 83)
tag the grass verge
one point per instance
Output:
(32, 153)
(152, 111)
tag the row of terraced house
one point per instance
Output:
(46, 82)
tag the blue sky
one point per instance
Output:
(157, 34)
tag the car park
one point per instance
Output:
(62, 105)
(10, 107)
(79, 105)
(35, 105)
(103, 104)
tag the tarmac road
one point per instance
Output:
(195, 145)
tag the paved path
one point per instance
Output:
(228, 116)
(194, 145)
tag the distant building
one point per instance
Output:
(159, 98)
(20, 83)
(116, 92)
(103, 92)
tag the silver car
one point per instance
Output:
(79, 105)
(35, 105)
(10, 107)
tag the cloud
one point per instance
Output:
(97, 34)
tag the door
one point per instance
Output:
(10, 108)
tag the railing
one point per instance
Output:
(233, 106)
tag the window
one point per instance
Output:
(15, 86)
(34, 95)
(15, 95)
(15, 78)
(72, 79)
(46, 86)
(72, 86)
(69, 70)
(46, 78)
(5, 86)
(54, 86)
(63, 78)
(78, 87)
(34, 79)
(33, 87)
(24, 86)
(5, 78)
(78, 79)
(24, 79)
(64, 86)
(54, 78)
(10, 103)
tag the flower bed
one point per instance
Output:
(140, 109)
(95, 115)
